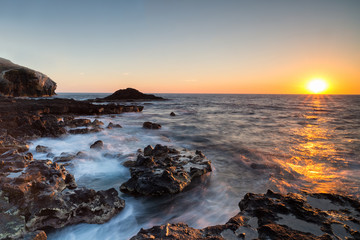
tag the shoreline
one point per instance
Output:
(221, 231)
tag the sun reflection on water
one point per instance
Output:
(314, 162)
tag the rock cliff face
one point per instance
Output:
(17, 81)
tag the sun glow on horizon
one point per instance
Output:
(317, 86)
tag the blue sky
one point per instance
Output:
(185, 46)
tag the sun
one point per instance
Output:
(317, 85)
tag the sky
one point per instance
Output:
(186, 46)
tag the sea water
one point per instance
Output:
(255, 142)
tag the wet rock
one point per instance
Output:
(273, 215)
(172, 114)
(64, 157)
(148, 150)
(112, 125)
(34, 198)
(150, 125)
(164, 170)
(36, 235)
(18, 81)
(84, 130)
(42, 149)
(97, 145)
(29, 118)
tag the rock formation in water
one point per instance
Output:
(276, 216)
(150, 125)
(164, 170)
(16, 81)
(129, 94)
(39, 194)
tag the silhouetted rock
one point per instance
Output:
(130, 94)
(18, 81)
(150, 125)
(276, 216)
(172, 114)
(164, 170)
(97, 145)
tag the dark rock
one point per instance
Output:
(29, 118)
(42, 149)
(172, 114)
(130, 94)
(276, 216)
(64, 157)
(164, 170)
(150, 125)
(97, 145)
(111, 125)
(18, 81)
(148, 150)
(34, 198)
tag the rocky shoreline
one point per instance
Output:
(276, 216)
(37, 196)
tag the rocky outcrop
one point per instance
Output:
(28, 118)
(150, 125)
(16, 81)
(129, 94)
(40, 194)
(164, 170)
(276, 216)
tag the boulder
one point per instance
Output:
(112, 125)
(150, 125)
(16, 81)
(97, 145)
(308, 216)
(42, 149)
(130, 94)
(164, 170)
(172, 114)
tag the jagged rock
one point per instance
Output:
(64, 157)
(112, 125)
(97, 145)
(18, 81)
(42, 149)
(164, 170)
(277, 216)
(29, 118)
(130, 94)
(172, 114)
(34, 198)
(150, 125)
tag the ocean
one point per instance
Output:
(287, 143)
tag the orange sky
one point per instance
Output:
(187, 46)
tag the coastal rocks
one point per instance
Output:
(164, 170)
(172, 114)
(97, 145)
(28, 118)
(150, 125)
(18, 81)
(130, 94)
(277, 216)
(112, 125)
(42, 149)
(40, 194)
